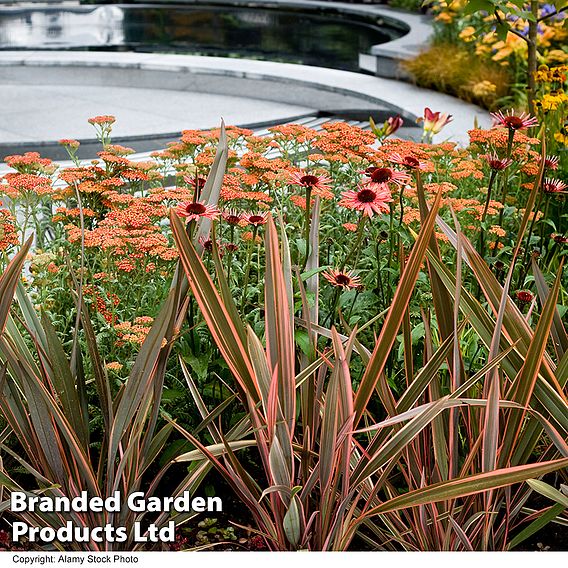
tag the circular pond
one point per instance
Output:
(309, 36)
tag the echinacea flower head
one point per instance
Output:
(195, 210)
(342, 279)
(408, 161)
(551, 185)
(434, 121)
(551, 162)
(385, 175)
(232, 217)
(369, 199)
(524, 296)
(497, 164)
(257, 219)
(560, 239)
(512, 121)
(317, 183)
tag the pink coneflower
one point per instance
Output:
(232, 217)
(319, 184)
(497, 164)
(560, 239)
(407, 161)
(513, 122)
(198, 182)
(367, 198)
(257, 219)
(195, 210)
(551, 162)
(550, 185)
(386, 175)
(434, 121)
(342, 279)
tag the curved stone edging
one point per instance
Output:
(281, 82)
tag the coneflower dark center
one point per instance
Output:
(309, 180)
(366, 196)
(195, 208)
(381, 175)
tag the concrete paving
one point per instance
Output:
(51, 112)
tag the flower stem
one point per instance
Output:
(357, 242)
(307, 224)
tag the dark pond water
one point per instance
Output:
(307, 37)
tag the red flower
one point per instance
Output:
(340, 279)
(368, 198)
(513, 122)
(195, 210)
(434, 121)
(524, 296)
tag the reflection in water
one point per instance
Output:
(300, 37)
(56, 28)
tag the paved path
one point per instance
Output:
(50, 112)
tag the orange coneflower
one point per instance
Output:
(367, 198)
(340, 279)
(195, 210)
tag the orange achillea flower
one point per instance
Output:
(498, 138)
(30, 162)
(293, 132)
(497, 231)
(128, 332)
(114, 366)
(62, 213)
(105, 119)
(119, 150)
(8, 231)
(19, 185)
(341, 142)
(73, 144)
(351, 227)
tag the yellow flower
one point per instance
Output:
(484, 89)
(467, 34)
(556, 56)
(445, 17)
(562, 137)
